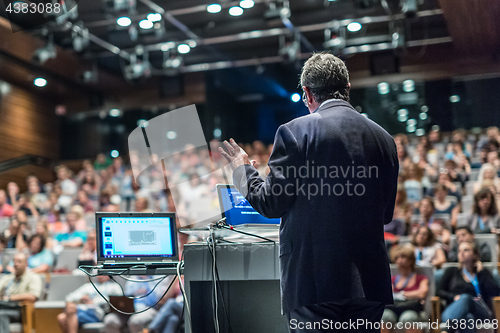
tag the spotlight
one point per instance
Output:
(410, 128)
(402, 118)
(183, 48)
(115, 153)
(408, 85)
(192, 43)
(214, 8)
(383, 88)
(235, 11)
(154, 17)
(123, 21)
(420, 132)
(247, 4)
(423, 116)
(295, 97)
(402, 112)
(146, 24)
(411, 122)
(114, 113)
(424, 108)
(40, 82)
(455, 99)
(354, 26)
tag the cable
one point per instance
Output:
(181, 285)
(244, 233)
(138, 297)
(215, 298)
(222, 296)
(132, 313)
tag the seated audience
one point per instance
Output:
(16, 239)
(3, 259)
(89, 248)
(82, 199)
(6, 210)
(409, 289)
(427, 249)
(169, 317)
(465, 234)
(23, 285)
(445, 206)
(40, 259)
(413, 183)
(85, 305)
(484, 218)
(72, 238)
(402, 214)
(468, 289)
(426, 218)
(81, 224)
(42, 229)
(451, 188)
(487, 175)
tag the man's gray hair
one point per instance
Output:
(326, 76)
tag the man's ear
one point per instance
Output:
(309, 96)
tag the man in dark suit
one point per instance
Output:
(333, 181)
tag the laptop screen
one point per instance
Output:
(237, 209)
(132, 236)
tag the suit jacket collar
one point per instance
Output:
(331, 103)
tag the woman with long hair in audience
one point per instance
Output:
(413, 184)
(484, 218)
(402, 214)
(468, 291)
(426, 218)
(487, 175)
(446, 179)
(445, 206)
(428, 251)
(409, 289)
(42, 229)
(40, 259)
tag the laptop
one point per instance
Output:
(130, 239)
(238, 211)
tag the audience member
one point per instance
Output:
(22, 285)
(6, 210)
(413, 183)
(73, 237)
(89, 251)
(426, 218)
(401, 216)
(409, 289)
(468, 289)
(42, 229)
(465, 234)
(487, 173)
(85, 305)
(444, 206)
(16, 238)
(428, 251)
(484, 218)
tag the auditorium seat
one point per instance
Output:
(467, 203)
(68, 259)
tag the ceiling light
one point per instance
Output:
(423, 116)
(115, 153)
(408, 85)
(383, 88)
(217, 132)
(410, 128)
(424, 108)
(420, 132)
(192, 43)
(455, 99)
(114, 113)
(402, 118)
(214, 8)
(354, 26)
(235, 11)
(411, 122)
(40, 82)
(123, 21)
(171, 135)
(183, 48)
(402, 112)
(154, 17)
(246, 4)
(146, 24)
(142, 123)
(295, 97)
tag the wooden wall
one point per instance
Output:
(28, 125)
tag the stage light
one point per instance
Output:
(154, 17)
(123, 21)
(40, 82)
(192, 43)
(217, 132)
(183, 48)
(354, 26)
(246, 4)
(402, 118)
(115, 153)
(403, 112)
(455, 99)
(114, 113)
(411, 122)
(214, 8)
(295, 97)
(142, 123)
(235, 11)
(410, 128)
(435, 128)
(146, 24)
(383, 88)
(171, 135)
(424, 108)
(423, 116)
(408, 85)
(420, 132)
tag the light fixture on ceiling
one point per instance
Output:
(354, 26)
(154, 17)
(214, 8)
(40, 82)
(235, 11)
(183, 48)
(124, 21)
(247, 4)
(146, 24)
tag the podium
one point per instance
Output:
(249, 281)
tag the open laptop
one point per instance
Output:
(129, 239)
(238, 211)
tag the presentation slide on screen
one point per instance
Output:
(239, 211)
(136, 236)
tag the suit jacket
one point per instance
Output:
(332, 241)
